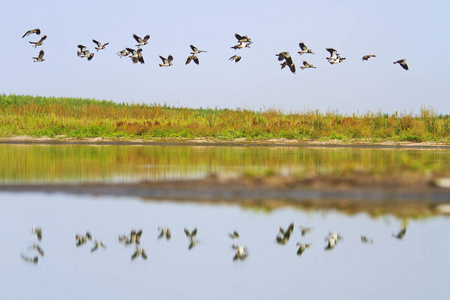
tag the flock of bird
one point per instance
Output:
(243, 42)
(241, 252)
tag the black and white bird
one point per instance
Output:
(136, 55)
(84, 52)
(304, 49)
(39, 43)
(141, 42)
(37, 31)
(243, 38)
(236, 58)
(196, 51)
(402, 62)
(167, 62)
(333, 54)
(100, 46)
(287, 61)
(306, 65)
(192, 57)
(39, 59)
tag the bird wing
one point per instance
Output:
(42, 38)
(303, 46)
(165, 61)
(146, 38)
(170, 58)
(292, 67)
(331, 50)
(194, 232)
(186, 232)
(98, 43)
(195, 58)
(194, 48)
(131, 51)
(82, 48)
(289, 62)
(238, 36)
(188, 60)
(27, 33)
(404, 66)
(41, 55)
(138, 39)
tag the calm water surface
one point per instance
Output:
(416, 267)
(81, 163)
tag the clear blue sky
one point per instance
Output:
(415, 30)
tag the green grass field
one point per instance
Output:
(86, 118)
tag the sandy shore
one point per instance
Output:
(216, 142)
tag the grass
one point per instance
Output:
(87, 118)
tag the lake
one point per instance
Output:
(415, 267)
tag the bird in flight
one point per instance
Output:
(236, 58)
(37, 31)
(100, 46)
(192, 57)
(402, 62)
(167, 62)
(196, 51)
(366, 57)
(136, 55)
(40, 42)
(40, 58)
(304, 49)
(141, 42)
(306, 65)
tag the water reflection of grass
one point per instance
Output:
(79, 118)
(29, 163)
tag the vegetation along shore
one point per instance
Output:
(76, 118)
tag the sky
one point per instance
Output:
(417, 31)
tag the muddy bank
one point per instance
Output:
(410, 197)
(217, 142)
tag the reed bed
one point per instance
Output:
(87, 118)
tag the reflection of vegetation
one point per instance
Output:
(48, 163)
(71, 117)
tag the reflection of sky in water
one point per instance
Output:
(415, 268)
